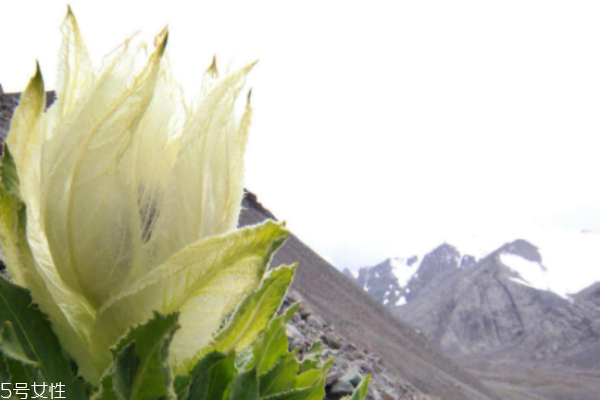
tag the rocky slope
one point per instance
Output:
(351, 362)
(407, 355)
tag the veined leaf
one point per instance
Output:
(201, 377)
(311, 358)
(282, 377)
(10, 346)
(245, 386)
(253, 314)
(315, 380)
(203, 282)
(274, 344)
(36, 337)
(141, 370)
(221, 376)
(125, 372)
(20, 368)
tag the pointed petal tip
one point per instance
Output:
(70, 16)
(37, 79)
(249, 67)
(160, 41)
(213, 70)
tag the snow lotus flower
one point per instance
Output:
(119, 201)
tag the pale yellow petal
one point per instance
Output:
(89, 212)
(196, 203)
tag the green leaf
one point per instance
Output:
(106, 391)
(282, 377)
(36, 338)
(22, 373)
(127, 367)
(182, 386)
(255, 312)
(295, 394)
(18, 367)
(315, 380)
(221, 375)
(13, 220)
(311, 359)
(245, 386)
(4, 374)
(361, 390)
(141, 370)
(10, 346)
(274, 344)
(200, 376)
(8, 173)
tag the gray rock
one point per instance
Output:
(331, 341)
(333, 377)
(366, 367)
(293, 332)
(314, 321)
(341, 388)
(352, 376)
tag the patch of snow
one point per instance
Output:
(402, 271)
(401, 301)
(407, 290)
(385, 301)
(531, 273)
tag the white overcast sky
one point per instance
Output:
(380, 128)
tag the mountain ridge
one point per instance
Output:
(488, 317)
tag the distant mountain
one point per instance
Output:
(591, 294)
(397, 281)
(497, 311)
